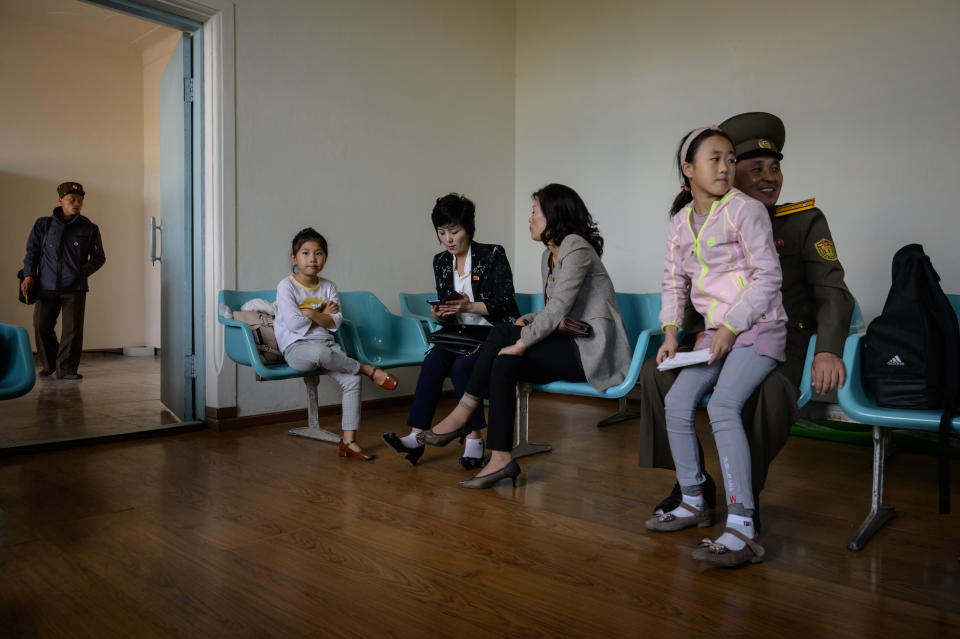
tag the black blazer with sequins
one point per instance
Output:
(490, 276)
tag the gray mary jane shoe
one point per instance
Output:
(719, 555)
(666, 522)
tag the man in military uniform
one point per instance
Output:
(63, 250)
(814, 296)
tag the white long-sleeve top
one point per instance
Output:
(290, 325)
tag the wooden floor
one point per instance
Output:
(116, 395)
(257, 534)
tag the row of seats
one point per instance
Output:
(374, 335)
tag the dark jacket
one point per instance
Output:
(61, 255)
(490, 277)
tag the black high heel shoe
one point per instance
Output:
(442, 439)
(511, 470)
(411, 455)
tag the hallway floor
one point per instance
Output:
(117, 394)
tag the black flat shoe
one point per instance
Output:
(412, 455)
(473, 463)
(672, 501)
(511, 470)
(442, 439)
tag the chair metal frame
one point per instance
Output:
(859, 406)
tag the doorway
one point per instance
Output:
(120, 393)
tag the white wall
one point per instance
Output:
(869, 93)
(71, 109)
(353, 118)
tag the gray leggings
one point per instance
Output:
(310, 354)
(735, 377)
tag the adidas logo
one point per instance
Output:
(895, 361)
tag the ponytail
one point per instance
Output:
(685, 154)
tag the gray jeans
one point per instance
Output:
(310, 354)
(733, 379)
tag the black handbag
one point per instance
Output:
(29, 298)
(462, 339)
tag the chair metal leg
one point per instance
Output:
(879, 514)
(621, 415)
(312, 430)
(522, 447)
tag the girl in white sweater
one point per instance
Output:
(308, 313)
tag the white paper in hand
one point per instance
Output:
(685, 359)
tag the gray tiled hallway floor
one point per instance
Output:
(116, 394)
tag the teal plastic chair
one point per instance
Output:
(17, 375)
(529, 302)
(242, 349)
(379, 337)
(415, 305)
(806, 380)
(858, 405)
(640, 313)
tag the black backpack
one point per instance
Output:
(911, 352)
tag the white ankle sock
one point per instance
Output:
(743, 525)
(473, 447)
(410, 441)
(694, 501)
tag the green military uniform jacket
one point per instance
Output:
(814, 294)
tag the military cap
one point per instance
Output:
(67, 188)
(755, 133)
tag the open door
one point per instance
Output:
(177, 385)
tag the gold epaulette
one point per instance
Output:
(787, 209)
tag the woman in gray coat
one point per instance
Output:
(575, 285)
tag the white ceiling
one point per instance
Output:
(80, 19)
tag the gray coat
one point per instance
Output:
(579, 287)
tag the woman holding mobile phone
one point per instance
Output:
(475, 288)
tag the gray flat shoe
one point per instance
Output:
(719, 555)
(667, 522)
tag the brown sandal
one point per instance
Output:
(344, 450)
(719, 555)
(389, 382)
(667, 522)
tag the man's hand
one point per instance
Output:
(331, 308)
(721, 344)
(827, 372)
(518, 348)
(26, 285)
(520, 322)
(670, 344)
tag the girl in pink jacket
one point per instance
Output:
(721, 257)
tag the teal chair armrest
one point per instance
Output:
(17, 376)
(806, 379)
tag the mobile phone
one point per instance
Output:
(456, 298)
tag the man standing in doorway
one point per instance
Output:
(63, 250)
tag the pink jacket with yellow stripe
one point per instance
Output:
(730, 270)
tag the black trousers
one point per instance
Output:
(495, 377)
(64, 356)
(767, 415)
(437, 366)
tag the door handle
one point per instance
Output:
(154, 227)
